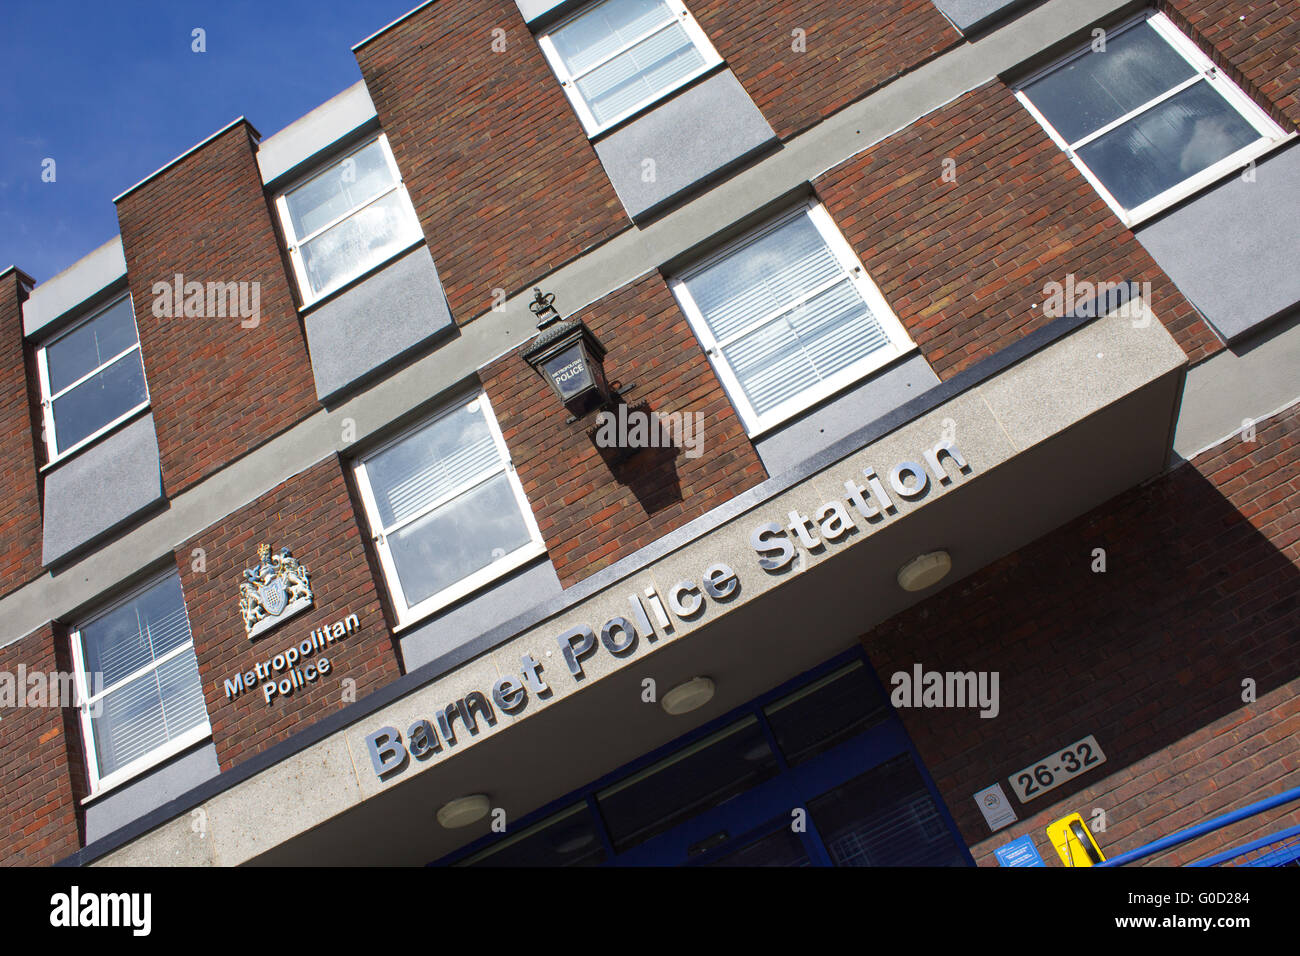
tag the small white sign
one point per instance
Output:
(995, 806)
(1050, 772)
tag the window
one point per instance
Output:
(788, 317)
(1148, 120)
(885, 817)
(91, 378)
(615, 57)
(347, 219)
(446, 509)
(825, 713)
(691, 781)
(138, 683)
(569, 838)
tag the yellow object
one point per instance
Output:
(1073, 841)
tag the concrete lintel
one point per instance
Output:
(295, 146)
(80, 284)
(1241, 385)
(972, 16)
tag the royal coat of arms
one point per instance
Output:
(274, 590)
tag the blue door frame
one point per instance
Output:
(763, 809)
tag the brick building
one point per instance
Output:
(677, 431)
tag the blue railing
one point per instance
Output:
(1276, 849)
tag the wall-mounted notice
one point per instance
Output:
(996, 807)
(1020, 852)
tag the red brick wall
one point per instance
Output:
(851, 48)
(20, 504)
(1199, 594)
(1255, 41)
(218, 390)
(42, 768)
(964, 264)
(311, 514)
(499, 169)
(592, 514)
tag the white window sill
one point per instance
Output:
(842, 381)
(141, 765)
(1201, 182)
(599, 132)
(335, 291)
(475, 582)
(96, 437)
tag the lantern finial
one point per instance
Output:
(543, 306)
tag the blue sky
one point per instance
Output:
(111, 91)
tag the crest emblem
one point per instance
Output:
(273, 590)
(273, 596)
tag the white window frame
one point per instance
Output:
(87, 700)
(412, 235)
(407, 613)
(900, 343)
(1271, 134)
(570, 81)
(53, 452)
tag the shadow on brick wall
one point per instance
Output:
(1182, 657)
(649, 473)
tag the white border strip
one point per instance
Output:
(386, 28)
(1237, 431)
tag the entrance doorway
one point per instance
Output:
(820, 772)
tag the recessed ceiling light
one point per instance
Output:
(463, 811)
(575, 843)
(684, 698)
(924, 570)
